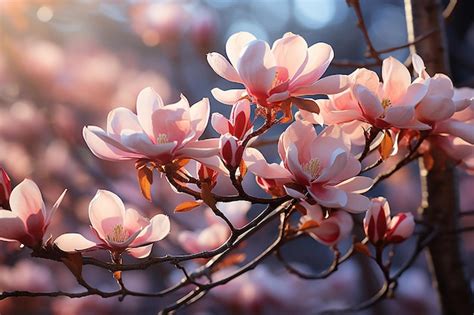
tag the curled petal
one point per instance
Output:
(141, 252)
(332, 84)
(222, 67)
(72, 242)
(257, 164)
(105, 147)
(158, 228)
(330, 197)
(229, 97)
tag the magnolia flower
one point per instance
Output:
(461, 123)
(217, 232)
(5, 188)
(239, 124)
(321, 165)
(384, 105)
(117, 229)
(273, 75)
(450, 110)
(337, 226)
(28, 219)
(380, 228)
(157, 132)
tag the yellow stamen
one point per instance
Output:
(118, 235)
(162, 138)
(386, 103)
(313, 168)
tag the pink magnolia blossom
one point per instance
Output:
(28, 219)
(157, 132)
(5, 188)
(388, 104)
(461, 123)
(450, 110)
(381, 228)
(273, 75)
(321, 165)
(455, 135)
(239, 124)
(332, 229)
(117, 229)
(217, 232)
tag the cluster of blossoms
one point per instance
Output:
(319, 171)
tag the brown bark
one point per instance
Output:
(441, 206)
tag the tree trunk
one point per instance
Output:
(441, 203)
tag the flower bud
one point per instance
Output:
(5, 189)
(240, 119)
(230, 150)
(376, 220)
(401, 227)
(271, 186)
(207, 174)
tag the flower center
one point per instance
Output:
(162, 138)
(118, 235)
(313, 168)
(386, 103)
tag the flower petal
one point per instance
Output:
(256, 68)
(105, 147)
(328, 196)
(332, 84)
(396, 79)
(257, 164)
(290, 52)
(228, 97)
(235, 44)
(72, 242)
(356, 203)
(148, 101)
(222, 67)
(158, 229)
(106, 210)
(12, 227)
(141, 252)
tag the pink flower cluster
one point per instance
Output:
(319, 170)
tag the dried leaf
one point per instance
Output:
(207, 196)
(306, 104)
(287, 114)
(428, 161)
(181, 163)
(74, 263)
(145, 179)
(242, 169)
(310, 224)
(187, 206)
(301, 209)
(386, 146)
(362, 248)
(231, 260)
(118, 275)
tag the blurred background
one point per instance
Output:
(65, 64)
